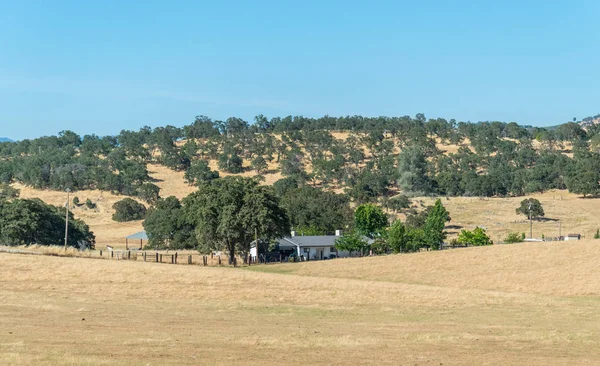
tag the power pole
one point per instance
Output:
(67, 218)
(530, 223)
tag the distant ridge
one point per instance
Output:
(5, 139)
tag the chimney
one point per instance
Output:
(338, 233)
(293, 233)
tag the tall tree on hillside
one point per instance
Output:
(412, 169)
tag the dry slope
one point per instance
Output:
(530, 304)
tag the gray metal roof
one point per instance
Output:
(308, 241)
(140, 236)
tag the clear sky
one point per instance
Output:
(102, 66)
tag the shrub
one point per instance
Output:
(89, 204)
(513, 238)
(597, 235)
(477, 237)
(128, 210)
(75, 201)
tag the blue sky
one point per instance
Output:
(99, 67)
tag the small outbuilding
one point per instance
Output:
(573, 237)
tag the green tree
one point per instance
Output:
(413, 170)
(396, 236)
(7, 192)
(434, 225)
(149, 192)
(230, 161)
(312, 207)
(585, 183)
(199, 172)
(259, 164)
(531, 206)
(477, 237)
(351, 241)
(128, 210)
(227, 212)
(31, 221)
(166, 226)
(369, 219)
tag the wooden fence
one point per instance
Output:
(175, 258)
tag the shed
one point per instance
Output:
(141, 236)
(573, 237)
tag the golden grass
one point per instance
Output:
(565, 211)
(530, 304)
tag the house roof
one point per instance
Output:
(308, 241)
(311, 241)
(139, 235)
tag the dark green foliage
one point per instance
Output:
(167, 227)
(75, 201)
(531, 208)
(31, 221)
(282, 186)
(413, 170)
(585, 183)
(259, 164)
(200, 172)
(597, 234)
(7, 192)
(228, 212)
(89, 204)
(398, 203)
(230, 161)
(128, 210)
(308, 207)
(369, 220)
(477, 237)
(149, 192)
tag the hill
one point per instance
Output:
(5, 139)
(525, 304)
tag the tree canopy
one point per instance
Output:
(228, 212)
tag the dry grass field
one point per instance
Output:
(528, 304)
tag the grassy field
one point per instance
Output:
(529, 304)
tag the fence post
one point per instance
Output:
(156, 257)
(100, 252)
(128, 254)
(144, 256)
(172, 258)
(219, 259)
(112, 253)
(175, 257)
(161, 258)
(189, 259)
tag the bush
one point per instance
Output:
(477, 237)
(75, 201)
(513, 238)
(597, 235)
(128, 210)
(89, 204)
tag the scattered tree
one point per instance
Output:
(128, 210)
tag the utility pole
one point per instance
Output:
(530, 223)
(67, 218)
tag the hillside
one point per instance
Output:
(525, 304)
